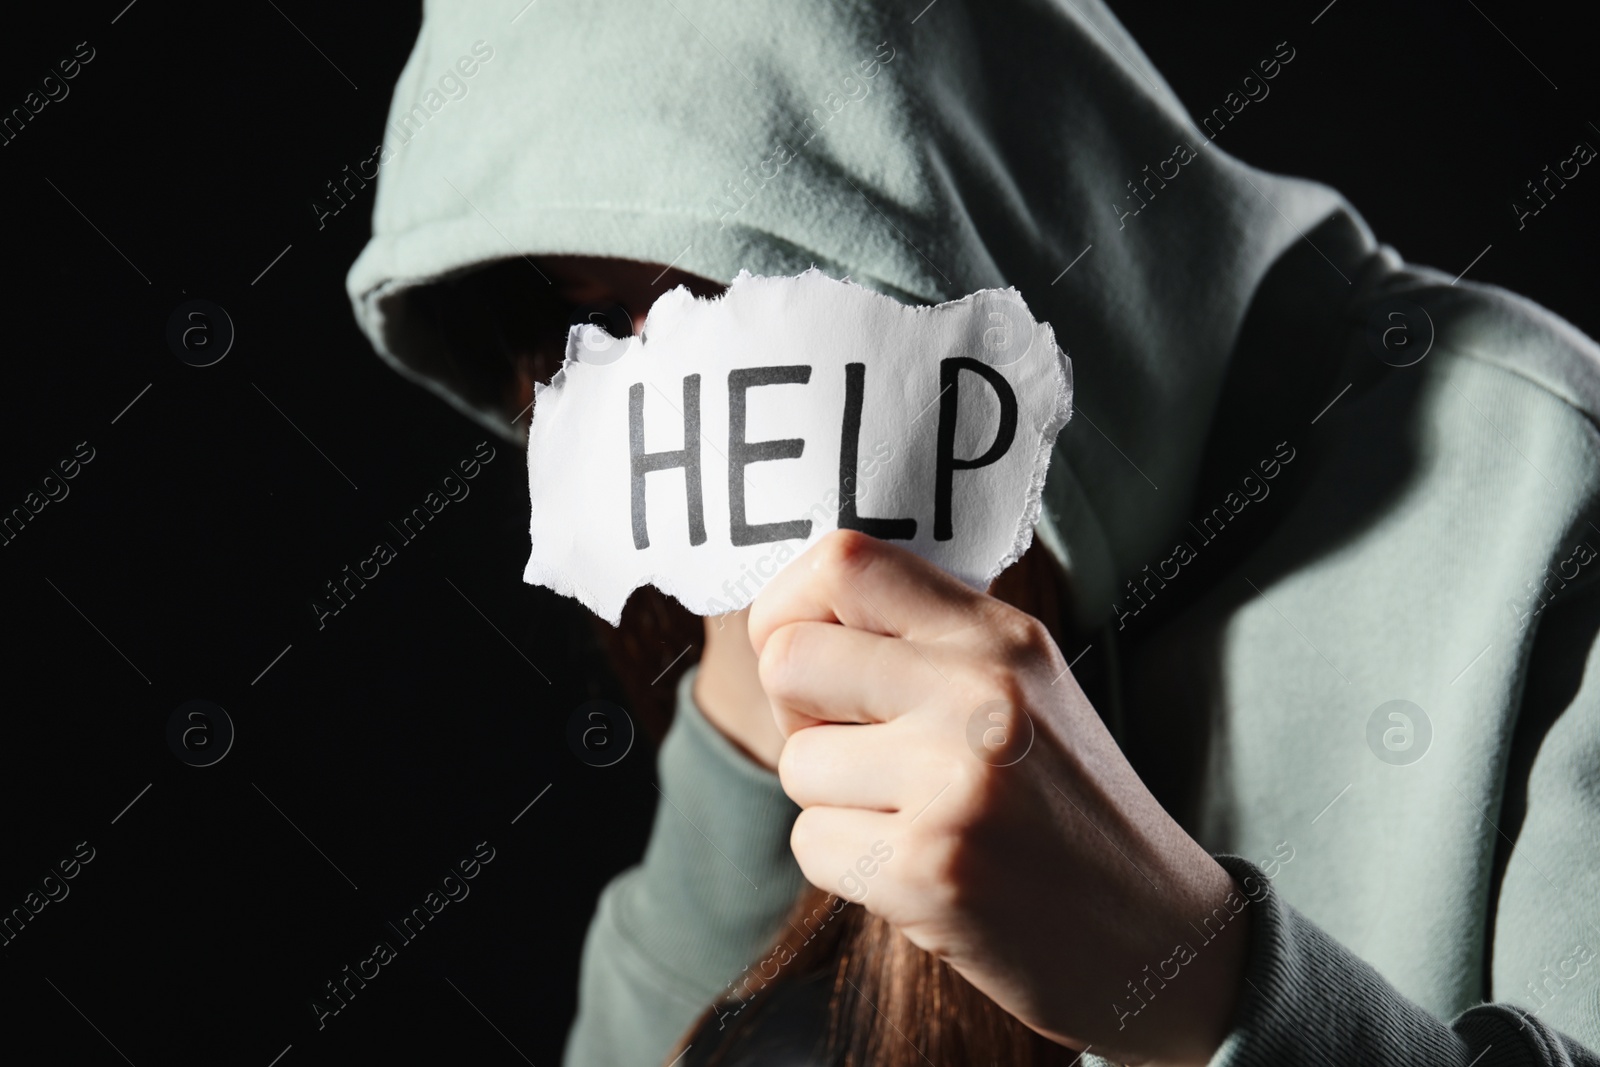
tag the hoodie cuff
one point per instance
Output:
(718, 876)
(1307, 999)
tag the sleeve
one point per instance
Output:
(716, 882)
(1309, 1000)
(1306, 999)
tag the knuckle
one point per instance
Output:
(760, 618)
(803, 835)
(973, 789)
(995, 679)
(846, 550)
(793, 761)
(780, 664)
(1024, 638)
(938, 868)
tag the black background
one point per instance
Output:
(409, 729)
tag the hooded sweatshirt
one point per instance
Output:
(1328, 519)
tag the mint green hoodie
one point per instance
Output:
(1271, 529)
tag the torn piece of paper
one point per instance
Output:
(704, 455)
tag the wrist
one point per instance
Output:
(1179, 1008)
(1214, 990)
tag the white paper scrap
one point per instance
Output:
(704, 455)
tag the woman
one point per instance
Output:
(1282, 749)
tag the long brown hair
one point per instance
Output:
(890, 1003)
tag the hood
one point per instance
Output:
(924, 154)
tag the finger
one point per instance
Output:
(843, 850)
(874, 767)
(822, 672)
(866, 584)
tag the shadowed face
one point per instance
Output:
(613, 293)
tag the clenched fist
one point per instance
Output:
(956, 781)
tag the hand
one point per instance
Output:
(956, 781)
